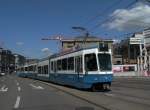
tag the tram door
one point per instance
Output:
(78, 65)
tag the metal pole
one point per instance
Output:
(141, 59)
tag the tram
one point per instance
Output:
(81, 68)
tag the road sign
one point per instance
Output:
(137, 40)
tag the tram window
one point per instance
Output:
(34, 68)
(71, 63)
(22, 69)
(55, 66)
(78, 64)
(59, 65)
(90, 62)
(26, 69)
(30, 68)
(45, 69)
(52, 66)
(104, 62)
(39, 69)
(64, 64)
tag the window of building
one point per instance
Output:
(71, 63)
(103, 47)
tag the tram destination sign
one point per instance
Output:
(136, 41)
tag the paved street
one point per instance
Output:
(27, 94)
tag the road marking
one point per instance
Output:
(17, 84)
(109, 94)
(17, 102)
(3, 89)
(36, 87)
(19, 89)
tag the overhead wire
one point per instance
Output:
(103, 12)
(111, 17)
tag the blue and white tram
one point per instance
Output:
(85, 68)
(82, 68)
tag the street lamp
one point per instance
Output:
(84, 31)
(81, 29)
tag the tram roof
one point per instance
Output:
(71, 51)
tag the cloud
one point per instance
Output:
(134, 18)
(45, 50)
(19, 43)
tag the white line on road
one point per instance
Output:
(17, 102)
(109, 94)
(3, 89)
(3, 86)
(36, 87)
(19, 89)
(17, 84)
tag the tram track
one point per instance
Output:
(128, 95)
(131, 100)
(102, 106)
(133, 82)
(106, 105)
(132, 87)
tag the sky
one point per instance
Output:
(23, 23)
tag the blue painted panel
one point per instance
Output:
(79, 81)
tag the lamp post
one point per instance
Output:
(84, 31)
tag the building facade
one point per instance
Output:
(127, 51)
(81, 41)
(19, 60)
(7, 61)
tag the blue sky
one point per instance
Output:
(24, 22)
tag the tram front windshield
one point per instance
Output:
(105, 62)
(90, 62)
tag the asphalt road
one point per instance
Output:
(27, 94)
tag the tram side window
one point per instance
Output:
(78, 64)
(52, 66)
(45, 69)
(71, 63)
(26, 69)
(30, 68)
(34, 68)
(55, 66)
(22, 69)
(39, 69)
(64, 64)
(90, 62)
(59, 67)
